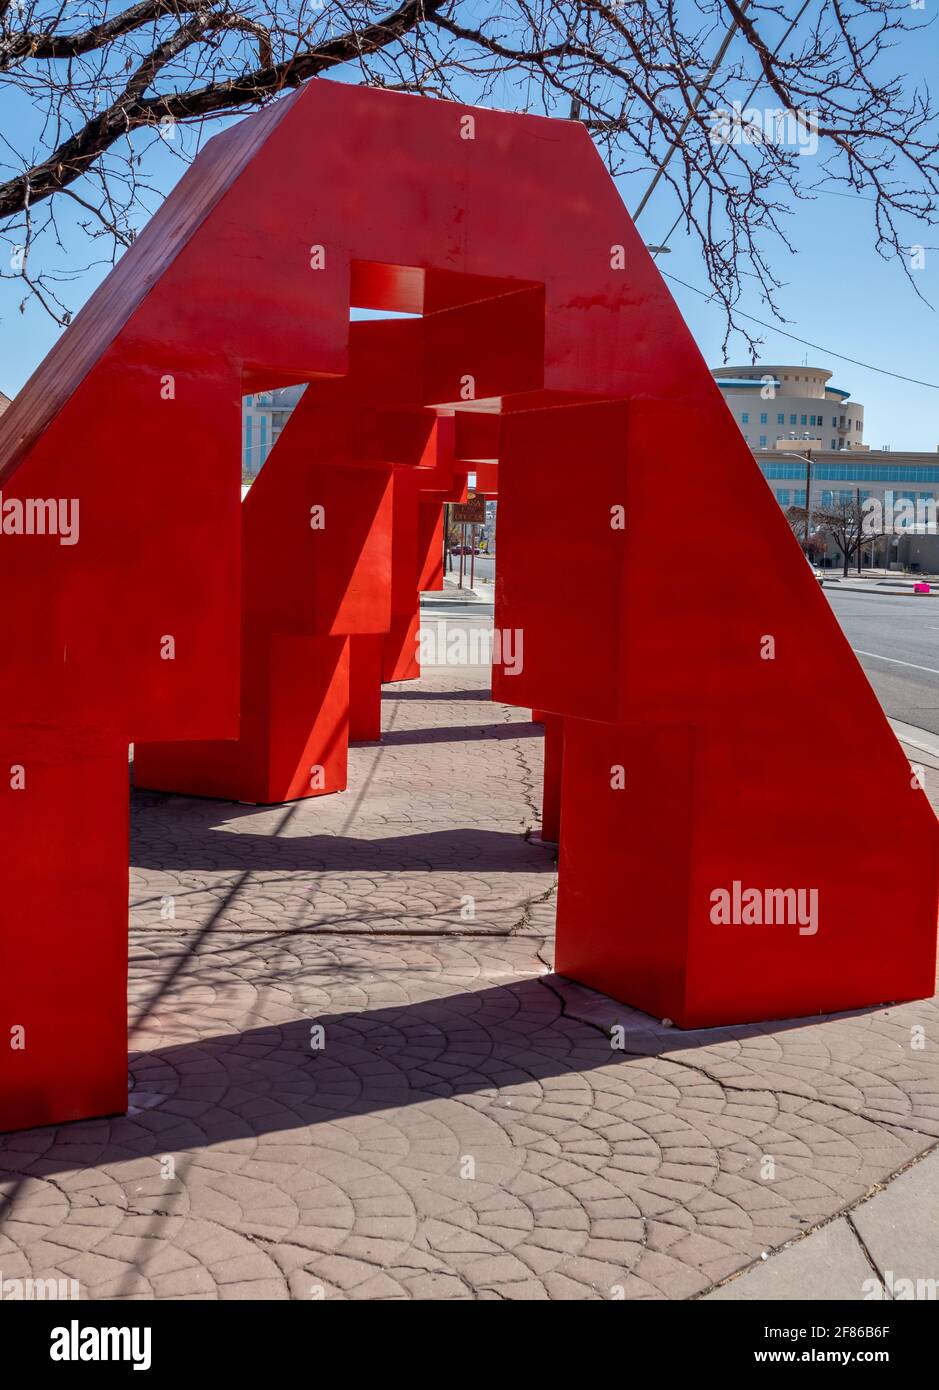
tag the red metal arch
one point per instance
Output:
(549, 338)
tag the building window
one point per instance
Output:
(745, 417)
(854, 473)
(763, 418)
(798, 497)
(762, 441)
(834, 422)
(783, 470)
(834, 443)
(875, 473)
(805, 419)
(792, 419)
(780, 419)
(782, 496)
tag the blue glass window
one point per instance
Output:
(860, 472)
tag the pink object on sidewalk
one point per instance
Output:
(920, 588)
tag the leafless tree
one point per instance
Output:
(98, 94)
(811, 542)
(847, 522)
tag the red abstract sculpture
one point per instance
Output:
(236, 645)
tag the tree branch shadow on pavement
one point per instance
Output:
(288, 1076)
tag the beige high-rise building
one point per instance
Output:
(804, 431)
(775, 405)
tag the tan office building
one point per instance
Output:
(773, 403)
(788, 414)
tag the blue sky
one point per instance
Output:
(841, 295)
(838, 293)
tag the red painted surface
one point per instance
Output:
(365, 666)
(551, 787)
(543, 313)
(691, 731)
(316, 554)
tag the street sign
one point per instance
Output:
(471, 513)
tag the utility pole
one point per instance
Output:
(806, 458)
(860, 532)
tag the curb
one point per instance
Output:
(922, 739)
(880, 592)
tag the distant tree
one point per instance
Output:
(454, 531)
(849, 526)
(813, 544)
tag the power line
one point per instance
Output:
(816, 347)
(746, 102)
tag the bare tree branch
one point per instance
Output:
(665, 95)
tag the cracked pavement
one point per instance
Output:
(354, 1076)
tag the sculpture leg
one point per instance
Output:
(63, 943)
(551, 788)
(365, 675)
(294, 733)
(699, 892)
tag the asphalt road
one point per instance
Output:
(483, 567)
(897, 643)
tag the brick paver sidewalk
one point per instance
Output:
(465, 1129)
